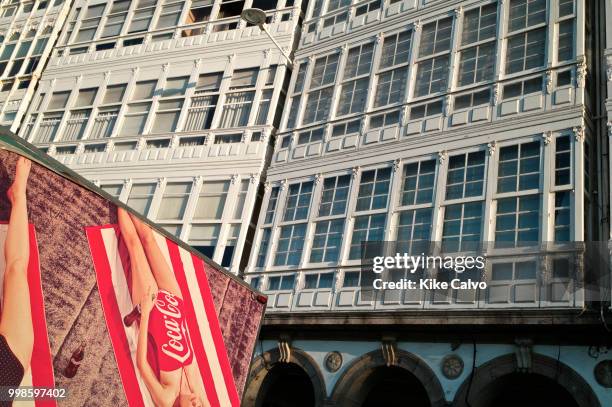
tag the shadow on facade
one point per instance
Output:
(549, 382)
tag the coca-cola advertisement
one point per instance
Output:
(98, 306)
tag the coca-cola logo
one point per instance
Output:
(176, 346)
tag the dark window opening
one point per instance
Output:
(230, 9)
(108, 45)
(132, 41)
(264, 4)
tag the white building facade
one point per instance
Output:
(28, 32)
(456, 122)
(170, 107)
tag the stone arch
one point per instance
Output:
(542, 365)
(348, 391)
(262, 365)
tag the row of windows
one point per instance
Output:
(499, 272)
(127, 17)
(21, 57)
(517, 204)
(480, 98)
(15, 8)
(204, 207)
(153, 106)
(150, 144)
(386, 68)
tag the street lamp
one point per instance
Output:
(257, 17)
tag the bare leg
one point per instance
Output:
(142, 278)
(161, 270)
(16, 319)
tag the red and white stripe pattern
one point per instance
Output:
(40, 372)
(111, 263)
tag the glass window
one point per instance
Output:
(334, 195)
(201, 112)
(86, 97)
(343, 129)
(167, 115)
(141, 196)
(175, 86)
(112, 189)
(324, 71)
(114, 93)
(517, 221)
(563, 160)
(144, 90)
(418, 183)
(319, 280)
(135, 119)
(327, 241)
(244, 78)
(461, 228)
(174, 200)
(526, 51)
(436, 37)
(241, 199)
(479, 24)
(396, 49)
(562, 216)
(425, 110)
(566, 7)
(369, 228)
(264, 106)
(565, 50)
(432, 75)
(318, 105)
(264, 243)
(465, 175)
(236, 109)
(391, 87)
(526, 13)
(336, 4)
(211, 200)
(477, 64)
(169, 16)
(204, 238)
(290, 245)
(353, 96)
(414, 231)
(277, 283)
(272, 201)
(58, 100)
(298, 201)
(209, 82)
(519, 167)
(310, 136)
(359, 60)
(384, 119)
(373, 189)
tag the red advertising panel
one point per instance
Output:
(100, 307)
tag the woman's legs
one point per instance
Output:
(164, 276)
(142, 278)
(16, 318)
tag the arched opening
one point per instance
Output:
(525, 390)
(394, 387)
(369, 382)
(549, 383)
(286, 385)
